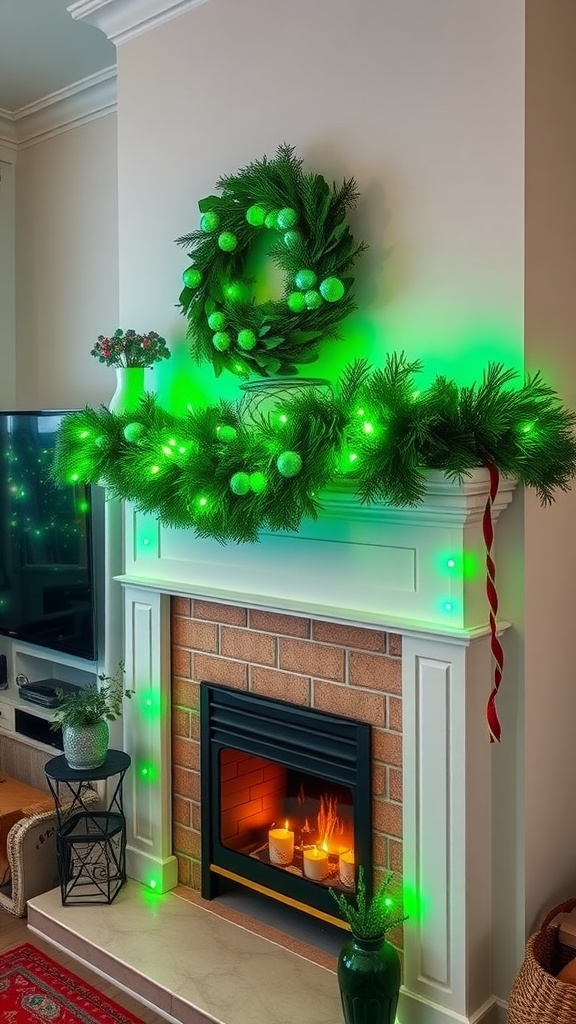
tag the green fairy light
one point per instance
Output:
(451, 563)
(368, 428)
(154, 470)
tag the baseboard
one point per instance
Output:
(413, 1009)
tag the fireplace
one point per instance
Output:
(286, 798)
(366, 615)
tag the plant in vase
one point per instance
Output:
(368, 965)
(84, 714)
(130, 353)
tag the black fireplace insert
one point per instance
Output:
(286, 799)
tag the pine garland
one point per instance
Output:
(312, 246)
(228, 477)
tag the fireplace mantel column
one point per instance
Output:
(447, 831)
(147, 737)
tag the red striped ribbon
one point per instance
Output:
(492, 595)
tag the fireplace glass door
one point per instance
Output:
(285, 798)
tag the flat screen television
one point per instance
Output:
(47, 592)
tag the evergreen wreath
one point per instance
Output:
(227, 477)
(312, 246)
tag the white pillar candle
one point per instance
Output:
(281, 846)
(346, 868)
(315, 864)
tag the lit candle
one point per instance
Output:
(281, 845)
(346, 868)
(315, 864)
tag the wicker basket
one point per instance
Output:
(537, 997)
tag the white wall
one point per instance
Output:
(550, 547)
(7, 282)
(67, 265)
(421, 102)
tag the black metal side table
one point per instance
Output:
(90, 840)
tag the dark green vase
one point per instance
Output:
(369, 979)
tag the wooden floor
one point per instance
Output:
(13, 932)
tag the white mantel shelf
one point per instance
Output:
(368, 564)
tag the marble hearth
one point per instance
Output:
(397, 571)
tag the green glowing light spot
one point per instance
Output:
(167, 450)
(283, 418)
(154, 469)
(526, 428)
(450, 563)
(447, 606)
(153, 883)
(368, 428)
(172, 441)
(148, 703)
(388, 902)
(146, 542)
(352, 457)
(202, 502)
(74, 477)
(84, 433)
(144, 771)
(415, 395)
(360, 412)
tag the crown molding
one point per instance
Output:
(122, 20)
(77, 104)
(8, 137)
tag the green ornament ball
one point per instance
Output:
(246, 339)
(227, 241)
(191, 277)
(258, 482)
(313, 299)
(236, 291)
(256, 215)
(240, 483)
(332, 289)
(296, 302)
(227, 433)
(287, 218)
(292, 239)
(209, 221)
(221, 341)
(133, 431)
(305, 279)
(271, 219)
(289, 464)
(216, 321)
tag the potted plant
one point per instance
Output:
(130, 353)
(369, 965)
(84, 714)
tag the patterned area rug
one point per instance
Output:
(35, 989)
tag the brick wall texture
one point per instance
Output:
(346, 670)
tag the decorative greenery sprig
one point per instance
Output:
(309, 241)
(79, 708)
(126, 348)
(370, 918)
(227, 476)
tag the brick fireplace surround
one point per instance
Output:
(349, 671)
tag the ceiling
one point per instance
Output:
(43, 49)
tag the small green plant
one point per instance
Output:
(84, 707)
(370, 918)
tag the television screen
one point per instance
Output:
(46, 566)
